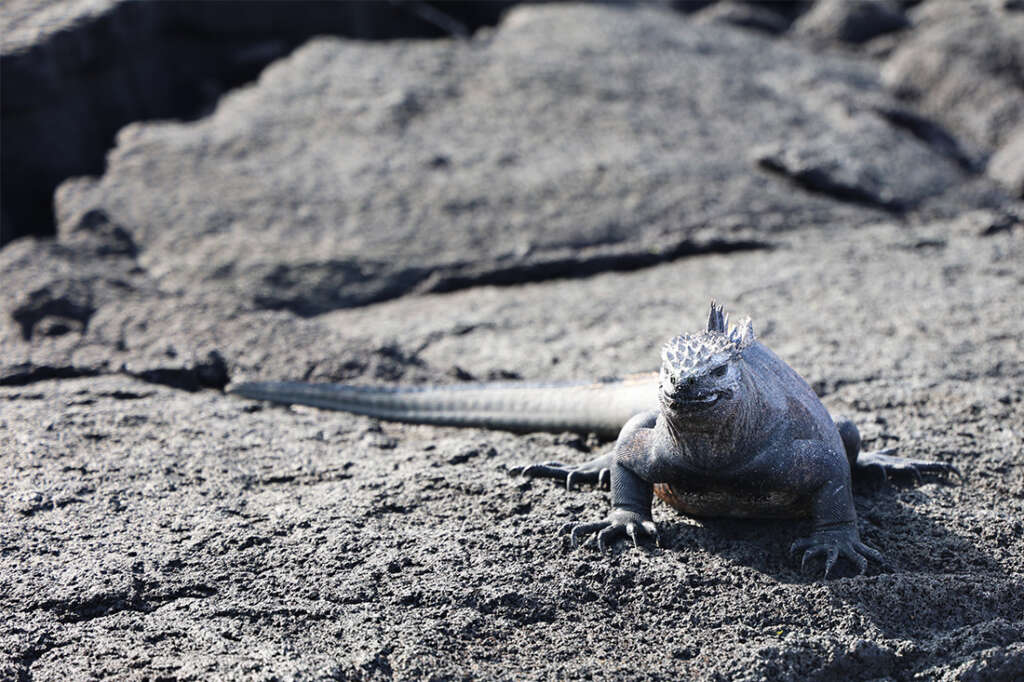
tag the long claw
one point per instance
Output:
(941, 468)
(812, 552)
(631, 531)
(862, 563)
(833, 544)
(871, 552)
(620, 523)
(586, 529)
(568, 480)
(570, 474)
(901, 467)
(540, 469)
(535, 470)
(652, 529)
(833, 554)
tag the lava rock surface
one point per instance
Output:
(549, 199)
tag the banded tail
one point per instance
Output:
(587, 407)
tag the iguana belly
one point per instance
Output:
(734, 502)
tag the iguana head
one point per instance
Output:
(700, 373)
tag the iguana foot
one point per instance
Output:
(890, 465)
(621, 523)
(833, 543)
(597, 471)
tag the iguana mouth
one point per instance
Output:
(695, 402)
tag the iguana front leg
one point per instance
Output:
(631, 486)
(835, 520)
(630, 515)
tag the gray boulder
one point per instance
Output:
(353, 173)
(961, 64)
(75, 71)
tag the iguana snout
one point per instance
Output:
(694, 394)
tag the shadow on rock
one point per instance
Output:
(933, 580)
(932, 577)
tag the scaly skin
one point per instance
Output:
(725, 429)
(737, 433)
(600, 407)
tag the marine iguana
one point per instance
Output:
(725, 428)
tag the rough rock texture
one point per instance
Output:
(75, 71)
(1007, 165)
(363, 173)
(963, 63)
(189, 533)
(851, 21)
(755, 16)
(551, 200)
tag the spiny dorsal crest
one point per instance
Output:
(690, 352)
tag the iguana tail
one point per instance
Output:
(595, 407)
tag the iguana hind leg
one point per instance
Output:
(597, 471)
(886, 463)
(893, 466)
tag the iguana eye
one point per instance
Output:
(719, 371)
